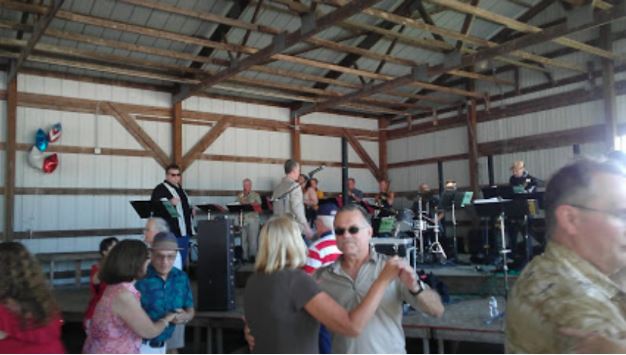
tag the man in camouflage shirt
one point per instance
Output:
(570, 285)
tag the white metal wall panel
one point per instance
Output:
(80, 129)
(329, 149)
(457, 170)
(329, 119)
(441, 143)
(219, 175)
(91, 171)
(248, 142)
(228, 107)
(595, 150)
(563, 118)
(60, 212)
(3, 120)
(409, 178)
(621, 109)
(160, 132)
(539, 163)
(93, 91)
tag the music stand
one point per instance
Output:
(241, 208)
(505, 192)
(143, 208)
(450, 201)
(211, 208)
(500, 208)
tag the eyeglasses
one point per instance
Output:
(619, 214)
(351, 230)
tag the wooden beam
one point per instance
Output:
(521, 26)
(296, 149)
(177, 133)
(198, 149)
(467, 25)
(600, 18)
(608, 89)
(477, 41)
(310, 27)
(135, 130)
(382, 147)
(472, 142)
(362, 153)
(39, 30)
(9, 160)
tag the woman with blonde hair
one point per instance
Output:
(284, 306)
(29, 316)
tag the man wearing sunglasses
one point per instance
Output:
(171, 192)
(570, 284)
(349, 278)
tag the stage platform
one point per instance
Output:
(463, 321)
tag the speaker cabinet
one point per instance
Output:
(216, 274)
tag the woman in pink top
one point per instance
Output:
(96, 286)
(119, 323)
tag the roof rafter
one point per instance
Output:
(39, 30)
(310, 27)
(600, 18)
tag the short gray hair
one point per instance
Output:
(290, 165)
(573, 184)
(160, 225)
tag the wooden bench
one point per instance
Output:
(77, 257)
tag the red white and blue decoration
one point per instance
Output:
(36, 157)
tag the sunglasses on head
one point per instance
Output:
(351, 230)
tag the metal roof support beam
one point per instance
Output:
(278, 45)
(40, 28)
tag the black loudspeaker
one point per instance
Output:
(216, 272)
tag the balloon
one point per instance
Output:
(39, 161)
(35, 158)
(55, 132)
(50, 163)
(41, 140)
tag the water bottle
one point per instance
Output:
(493, 307)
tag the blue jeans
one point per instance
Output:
(183, 244)
(325, 340)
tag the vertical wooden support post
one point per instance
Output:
(608, 88)
(382, 148)
(472, 148)
(177, 133)
(296, 152)
(9, 160)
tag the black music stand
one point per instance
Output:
(452, 201)
(241, 208)
(143, 208)
(212, 208)
(504, 191)
(502, 209)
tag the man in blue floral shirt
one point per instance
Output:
(164, 289)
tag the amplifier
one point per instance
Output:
(216, 271)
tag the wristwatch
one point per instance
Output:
(420, 288)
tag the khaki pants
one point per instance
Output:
(250, 236)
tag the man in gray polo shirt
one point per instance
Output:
(349, 278)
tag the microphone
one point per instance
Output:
(315, 171)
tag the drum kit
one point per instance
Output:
(405, 234)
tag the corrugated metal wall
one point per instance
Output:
(71, 212)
